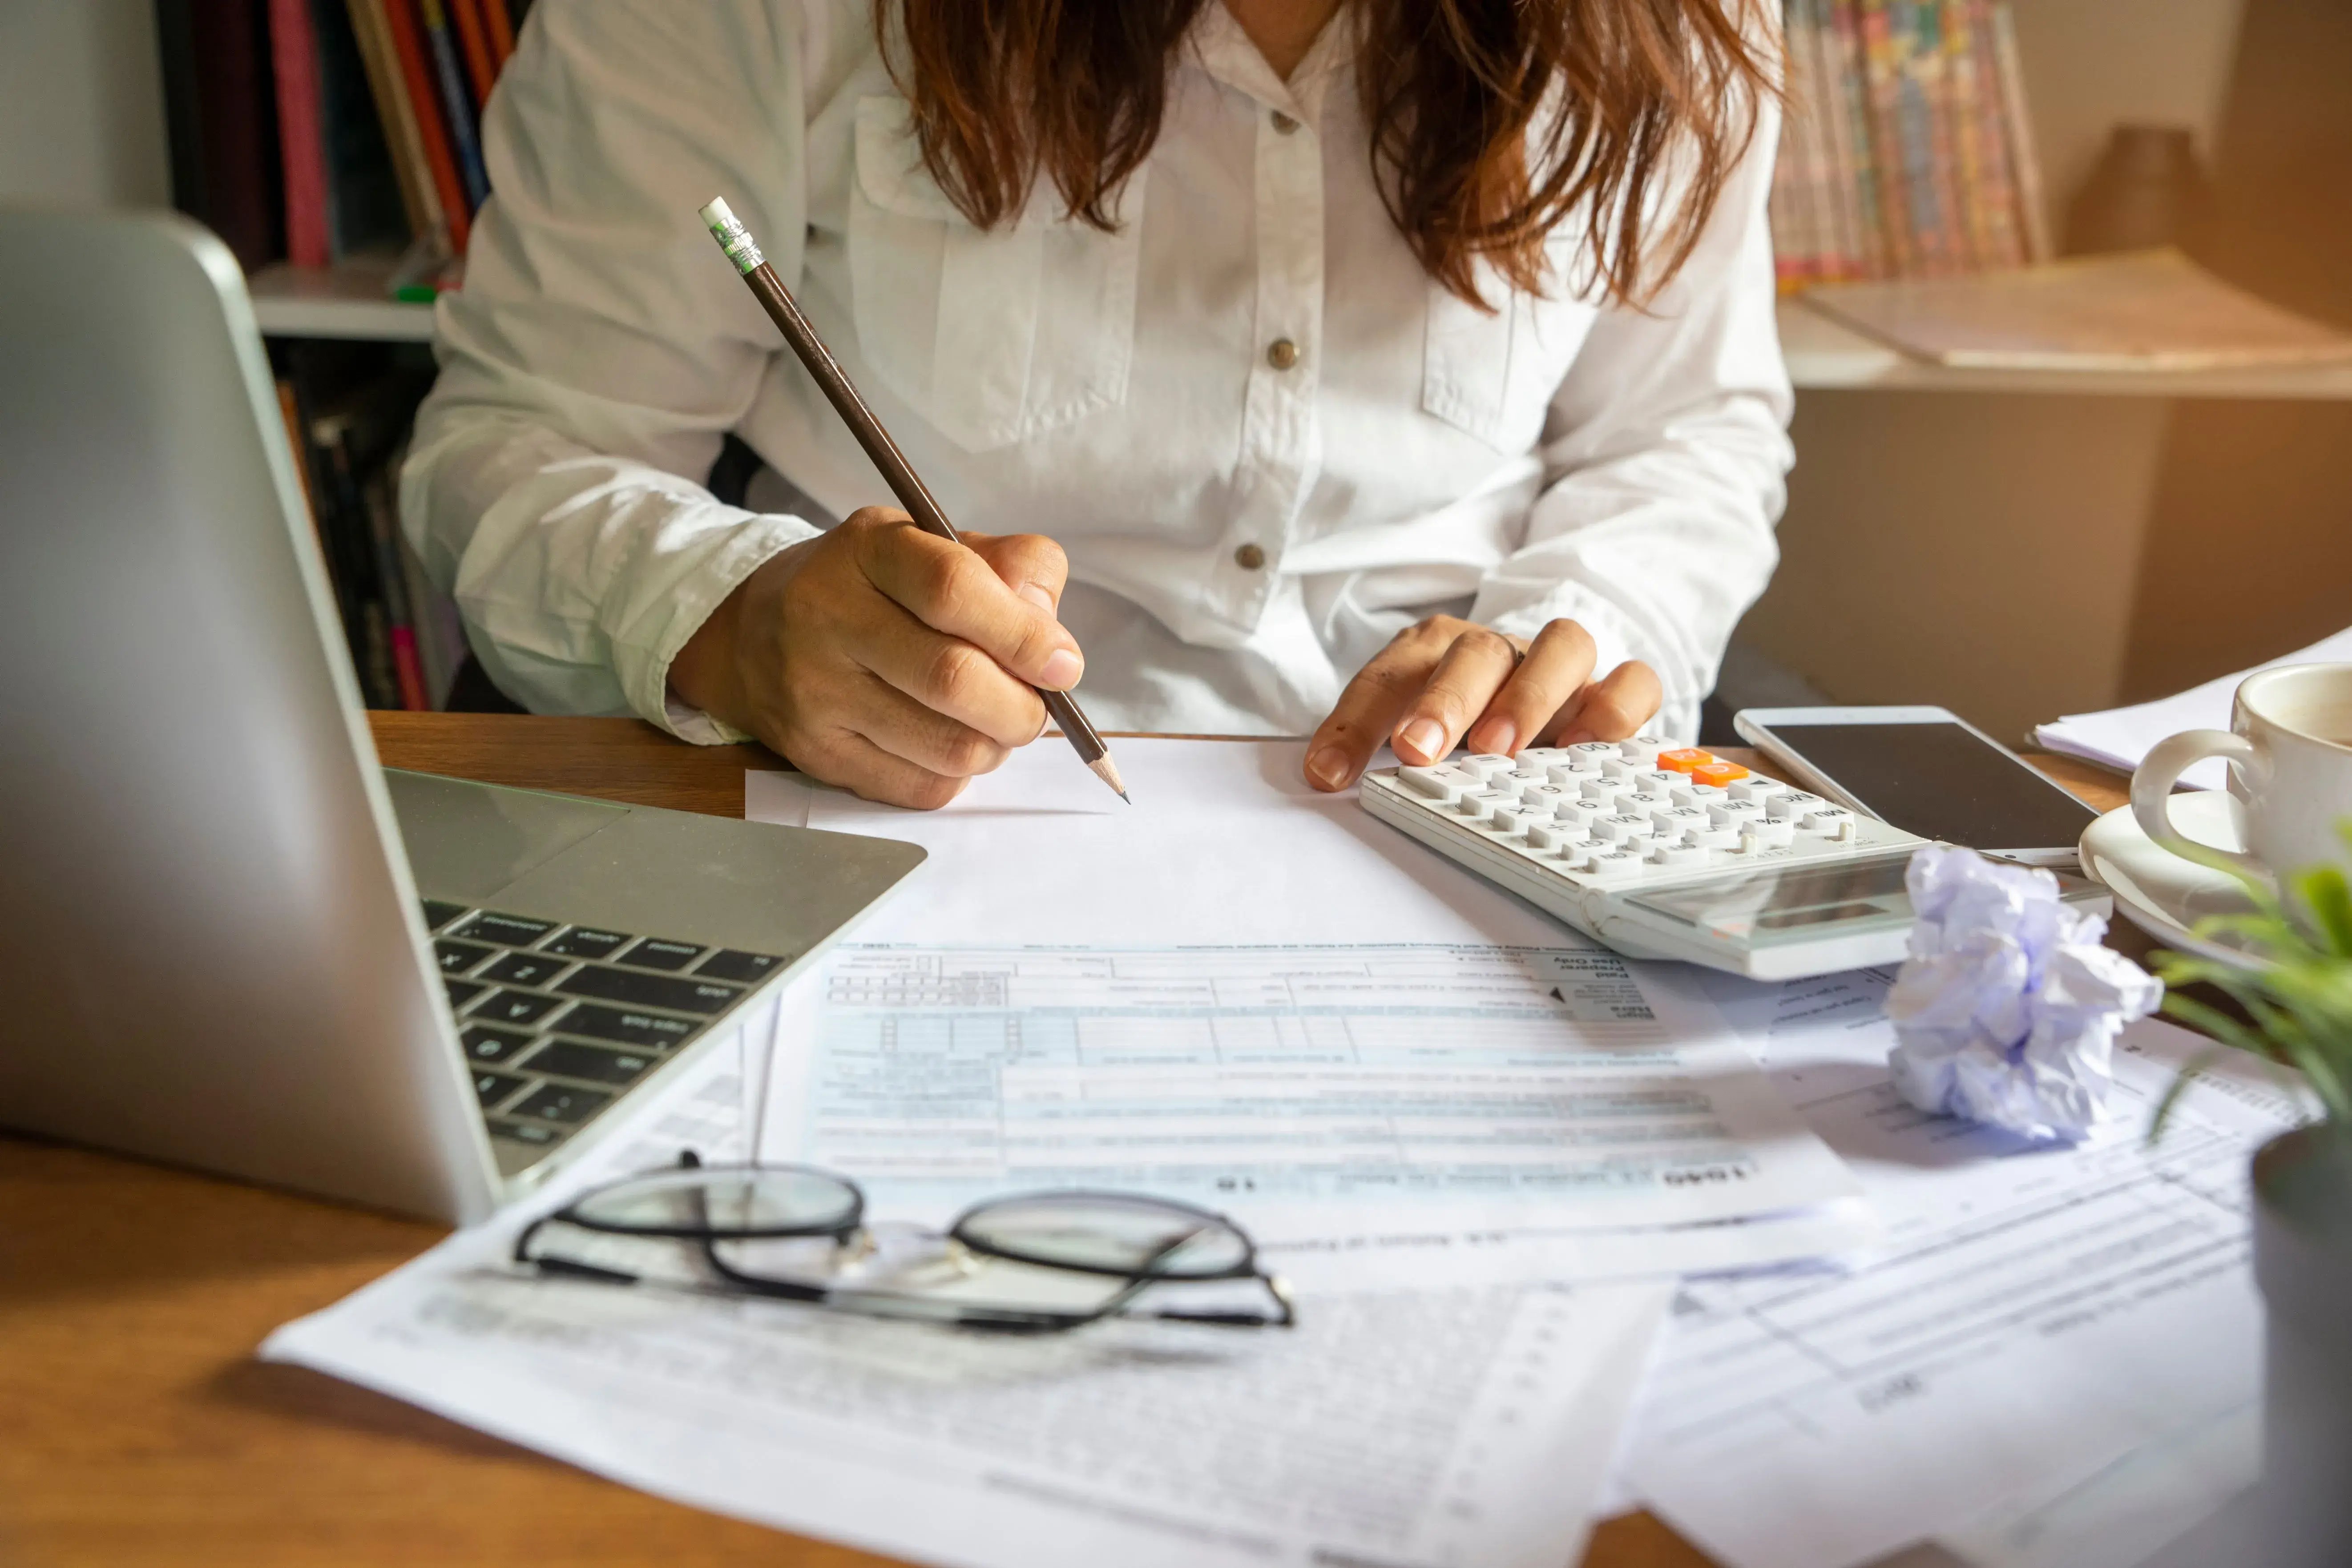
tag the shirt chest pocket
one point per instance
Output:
(1494, 373)
(997, 335)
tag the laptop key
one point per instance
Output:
(626, 1028)
(513, 930)
(742, 967)
(654, 953)
(570, 1058)
(439, 912)
(663, 990)
(517, 1007)
(525, 969)
(564, 1107)
(457, 957)
(586, 942)
(463, 991)
(537, 1133)
(497, 1088)
(495, 1044)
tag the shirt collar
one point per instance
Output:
(1222, 48)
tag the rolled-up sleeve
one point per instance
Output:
(602, 346)
(1666, 460)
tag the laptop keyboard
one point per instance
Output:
(558, 1019)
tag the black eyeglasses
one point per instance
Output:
(1034, 1263)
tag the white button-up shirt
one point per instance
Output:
(1267, 440)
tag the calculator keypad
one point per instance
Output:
(1611, 812)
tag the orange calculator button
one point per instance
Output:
(1684, 760)
(1718, 772)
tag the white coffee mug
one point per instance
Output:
(2289, 746)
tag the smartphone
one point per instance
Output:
(1928, 770)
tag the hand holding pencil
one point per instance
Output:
(891, 655)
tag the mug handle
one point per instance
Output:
(2151, 792)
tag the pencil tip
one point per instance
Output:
(1123, 796)
(1103, 768)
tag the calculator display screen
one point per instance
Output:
(1939, 781)
(1794, 904)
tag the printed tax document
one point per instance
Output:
(1463, 1086)
(1246, 993)
(1456, 1428)
(2036, 1313)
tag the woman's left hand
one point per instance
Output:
(1445, 680)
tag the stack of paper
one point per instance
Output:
(2120, 737)
(1486, 1152)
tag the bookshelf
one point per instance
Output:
(349, 302)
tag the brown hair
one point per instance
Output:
(1491, 120)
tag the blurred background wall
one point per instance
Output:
(82, 104)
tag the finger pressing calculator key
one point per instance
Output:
(1663, 851)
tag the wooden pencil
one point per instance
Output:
(897, 472)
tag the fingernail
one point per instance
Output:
(1502, 737)
(1037, 596)
(1328, 768)
(1062, 670)
(1425, 736)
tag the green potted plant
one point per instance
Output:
(2297, 1010)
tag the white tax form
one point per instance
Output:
(1472, 1085)
(1457, 1429)
(1243, 992)
(2035, 1313)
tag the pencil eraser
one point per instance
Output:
(719, 213)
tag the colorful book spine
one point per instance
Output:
(418, 192)
(2004, 238)
(1882, 75)
(1853, 93)
(455, 104)
(474, 39)
(1841, 174)
(1929, 65)
(1792, 240)
(418, 76)
(301, 138)
(503, 33)
(2033, 214)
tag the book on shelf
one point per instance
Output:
(1906, 150)
(312, 132)
(347, 418)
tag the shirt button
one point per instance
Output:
(1284, 124)
(1249, 558)
(1282, 354)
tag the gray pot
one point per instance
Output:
(2302, 1261)
(2300, 1514)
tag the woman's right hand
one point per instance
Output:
(883, 659)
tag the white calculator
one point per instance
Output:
(1672, 853)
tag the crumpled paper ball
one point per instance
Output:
(2007, 1010)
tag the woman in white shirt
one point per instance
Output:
(1272, 349)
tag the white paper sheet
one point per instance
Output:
(1452, 1428)
(2037, 1312)
(2120, 737)
(1227, 849)
(1225, 843)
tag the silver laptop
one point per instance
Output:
(229, 938)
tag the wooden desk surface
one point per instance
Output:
(135, 1426)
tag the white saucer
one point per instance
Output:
(2163, 894)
